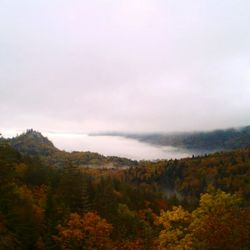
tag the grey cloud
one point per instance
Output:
(124, 65)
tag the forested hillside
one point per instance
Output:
(33, 143)
(192, 203)
(186, 179)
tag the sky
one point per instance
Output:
(112, 65)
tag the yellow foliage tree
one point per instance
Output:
(175, 234)
(218, 223)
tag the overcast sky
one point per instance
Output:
(132, 65)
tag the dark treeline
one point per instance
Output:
(197, 141)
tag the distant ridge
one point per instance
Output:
(211, 141)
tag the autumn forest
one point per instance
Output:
(194, 203)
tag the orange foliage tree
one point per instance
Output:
(87, 231)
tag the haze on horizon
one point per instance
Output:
(132, 65)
